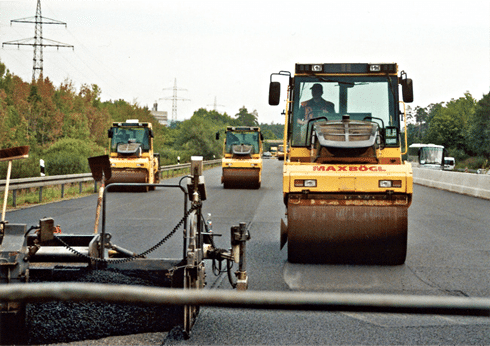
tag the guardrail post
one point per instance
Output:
(95, 186)
(14, 198)
(62, 190)
(40, 194)
(80, 185)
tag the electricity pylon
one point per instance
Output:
(216, 105)
(38, 38)
(174, 99)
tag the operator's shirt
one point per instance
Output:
(309, 107)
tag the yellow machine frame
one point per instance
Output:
(242, 171)
(336, 209)
(140, 168)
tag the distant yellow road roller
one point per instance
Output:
(346, 188)
(131, 154)
(242, 157)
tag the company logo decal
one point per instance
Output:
(361, 168)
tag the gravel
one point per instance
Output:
(64, 322)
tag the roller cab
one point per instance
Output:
(131, 154)
(346, 188)
(242, 157)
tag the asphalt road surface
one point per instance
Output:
(448, 255)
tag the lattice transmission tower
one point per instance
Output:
(39, 42)
(216, 105)
(174, 99)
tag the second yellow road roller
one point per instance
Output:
(131, 153)
(242, 157)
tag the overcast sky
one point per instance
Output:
(226, 50)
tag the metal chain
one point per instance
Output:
(132, 258)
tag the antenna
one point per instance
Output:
(174, 99)
(38, 43)
(216, 105)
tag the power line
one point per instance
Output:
(39, 40)
(174, 99)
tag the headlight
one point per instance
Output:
(390, 183)
(305, 183)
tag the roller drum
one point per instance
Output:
(356, 234)
(128, 176)
(241, 178)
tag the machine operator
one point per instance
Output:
(314, 107)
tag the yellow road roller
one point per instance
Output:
(346, 188)
(242, 157)
(131, 153)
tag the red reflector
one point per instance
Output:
(397, 183)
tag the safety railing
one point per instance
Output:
(41, 182)
(476, 185)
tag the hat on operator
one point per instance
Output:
(317, 87)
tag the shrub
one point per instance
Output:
(70, 156)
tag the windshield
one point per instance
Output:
(242, 137)
(431, 155)
(130, 135)
(322, 98)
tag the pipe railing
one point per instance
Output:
(318, 301)
(40, 182)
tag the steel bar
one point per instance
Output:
(318, 301)
(6, 193)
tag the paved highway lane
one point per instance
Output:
(448, 255)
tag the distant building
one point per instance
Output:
(161, 116)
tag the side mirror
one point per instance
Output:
(109, 133)
(152, 135)
(274, 93)
(261, 137)
(407, 90)
(217, 135)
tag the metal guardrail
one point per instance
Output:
(40, 182)
(168, 170)
(318, 301)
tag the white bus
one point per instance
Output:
(427, 155)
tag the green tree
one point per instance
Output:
(244, 118)
(417, 124)
(272, 131)
(197, 137)
(479, 128)
(448, 124)
(70, 156)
